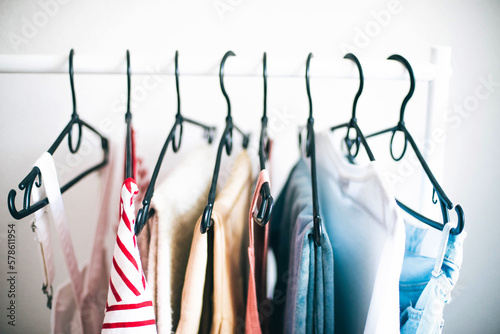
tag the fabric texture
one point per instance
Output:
(424, 291)
(129, 307)
(303, 300)
(367, 236)
(219, 294)
(177, 204)
(72, 313)
(194, 283)
(257, 254)
(97, 275)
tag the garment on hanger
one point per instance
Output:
(304, 296)
(74, 311)
(367, 236)
(255, 321)
(426, 283)
(26, 185)
(178, 203)
(46, 165)
(129, 308)
(214, 302)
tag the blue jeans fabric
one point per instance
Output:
(309, 301)
(423, 295)
(303, 296)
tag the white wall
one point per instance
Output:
(34, 108)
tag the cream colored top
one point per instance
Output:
(165, 245)
(230, 261)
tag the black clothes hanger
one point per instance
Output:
(353, 122)
(311, 153)
(142, 214)
(27, 183)
(266, 200)
(226, 141)
(129, 165)
(444, 201)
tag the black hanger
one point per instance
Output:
(129, 165)
(27, 183)
(353, 122)
(444, 201)
(311, 153)
(226, 141)
(266, 200)
(142, 215)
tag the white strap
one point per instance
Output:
(40, 226)
(442, 248)
(52, 189)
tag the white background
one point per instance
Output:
(35, 108)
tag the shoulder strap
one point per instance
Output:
(40, 226)
(52, 189)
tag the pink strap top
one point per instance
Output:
(257, 252)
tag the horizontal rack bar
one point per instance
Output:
(239, 66)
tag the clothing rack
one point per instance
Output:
(436, 72)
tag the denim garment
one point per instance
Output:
(309, 302)
(303, 297)
(422, 293)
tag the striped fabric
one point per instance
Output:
(129, 308)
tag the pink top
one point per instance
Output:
(257, 252)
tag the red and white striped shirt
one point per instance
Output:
(129, 308)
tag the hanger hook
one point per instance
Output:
(264, 141)
(310, 120)
(71, 73)
(178, 117)
(221, 78)
(264, 74)
(461, 220)
(129, 165)
(361, 82)
(350, 143)
(408, 96)
(74, 115)
(308, 63)
(177, 82)
(129, 75)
